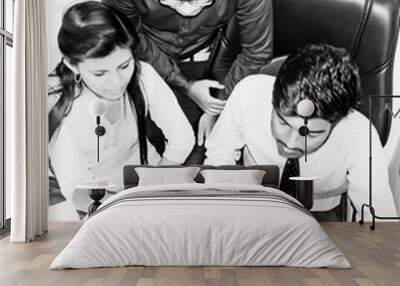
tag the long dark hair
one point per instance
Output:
(93, 30)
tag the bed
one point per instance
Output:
(201, 224)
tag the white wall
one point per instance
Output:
(395, 130)
(392, 148)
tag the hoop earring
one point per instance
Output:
(77, 78)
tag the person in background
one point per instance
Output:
(175, 35)
(100, 62)
(260, 123)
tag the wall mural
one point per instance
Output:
(167, 99)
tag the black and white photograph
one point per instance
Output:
(168, 90)
(158, 91)
(200, 142)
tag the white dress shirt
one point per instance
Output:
(73, 149)
(341, 163)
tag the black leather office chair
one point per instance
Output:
(368, 29)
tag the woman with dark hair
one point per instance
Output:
(99, 63)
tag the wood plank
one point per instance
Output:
(375, 257)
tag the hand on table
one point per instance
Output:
(206, 125)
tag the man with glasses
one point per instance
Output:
(176, 38)
(260, 125)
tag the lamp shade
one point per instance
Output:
(305, 108)
(97, 107)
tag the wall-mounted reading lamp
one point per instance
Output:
(305, 108)
(98, 108)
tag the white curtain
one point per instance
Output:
(26, 123)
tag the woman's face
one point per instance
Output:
(108, 76)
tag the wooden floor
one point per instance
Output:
(375, 257)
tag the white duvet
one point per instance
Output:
(183, 231)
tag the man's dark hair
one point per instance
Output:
(322, 73)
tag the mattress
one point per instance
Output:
(201, 225)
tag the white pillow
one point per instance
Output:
(163, 176)
(248, 177)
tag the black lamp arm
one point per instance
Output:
(304, 131)
(100, 131)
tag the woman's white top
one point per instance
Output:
(73, 147)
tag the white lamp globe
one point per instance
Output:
(305, 108)
(97, 107)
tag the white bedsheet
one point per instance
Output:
(200, 231)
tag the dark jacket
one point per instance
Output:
(166, 36)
